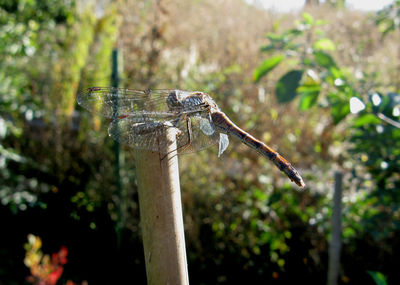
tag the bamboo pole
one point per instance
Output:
(161, 215)
(336, 242)
(118, 155)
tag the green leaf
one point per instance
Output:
(336, 72)
(348, 232)
(267, 48)
(366, 119)
(266, 67)
(287, 86)
(321, 22)
(378, 277)
(339, 108)
(308, 18)
(324, 59)
(260, 195)
(324, 44)
(309, 96)
(275, 37)
(294, 32)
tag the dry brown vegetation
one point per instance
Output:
(215, 46)
(186, 43)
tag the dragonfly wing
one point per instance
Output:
(199, 138)
(146, 132)
(141, 132)
(206, 127)
(115, 102)
(223, 143)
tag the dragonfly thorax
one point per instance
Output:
(178, 99)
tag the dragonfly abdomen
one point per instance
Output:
(222, 122)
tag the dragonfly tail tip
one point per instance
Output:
(301, 183)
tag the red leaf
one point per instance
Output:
(54, 276)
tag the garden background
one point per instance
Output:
(320, 85)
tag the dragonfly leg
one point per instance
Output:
(190, 135)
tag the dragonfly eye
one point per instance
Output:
(173, 100)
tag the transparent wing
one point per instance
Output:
(114, 102)
(223, 143)
(141, 131)
(200, 139)
(147, 133)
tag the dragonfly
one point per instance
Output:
(141, 118)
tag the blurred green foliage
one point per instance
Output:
(243, 219)
(45, 55)
(388, 19)
(316, 72)
(372, 132)
(378, 277)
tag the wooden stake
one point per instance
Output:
(161, 215)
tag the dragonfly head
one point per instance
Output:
(174, 99)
